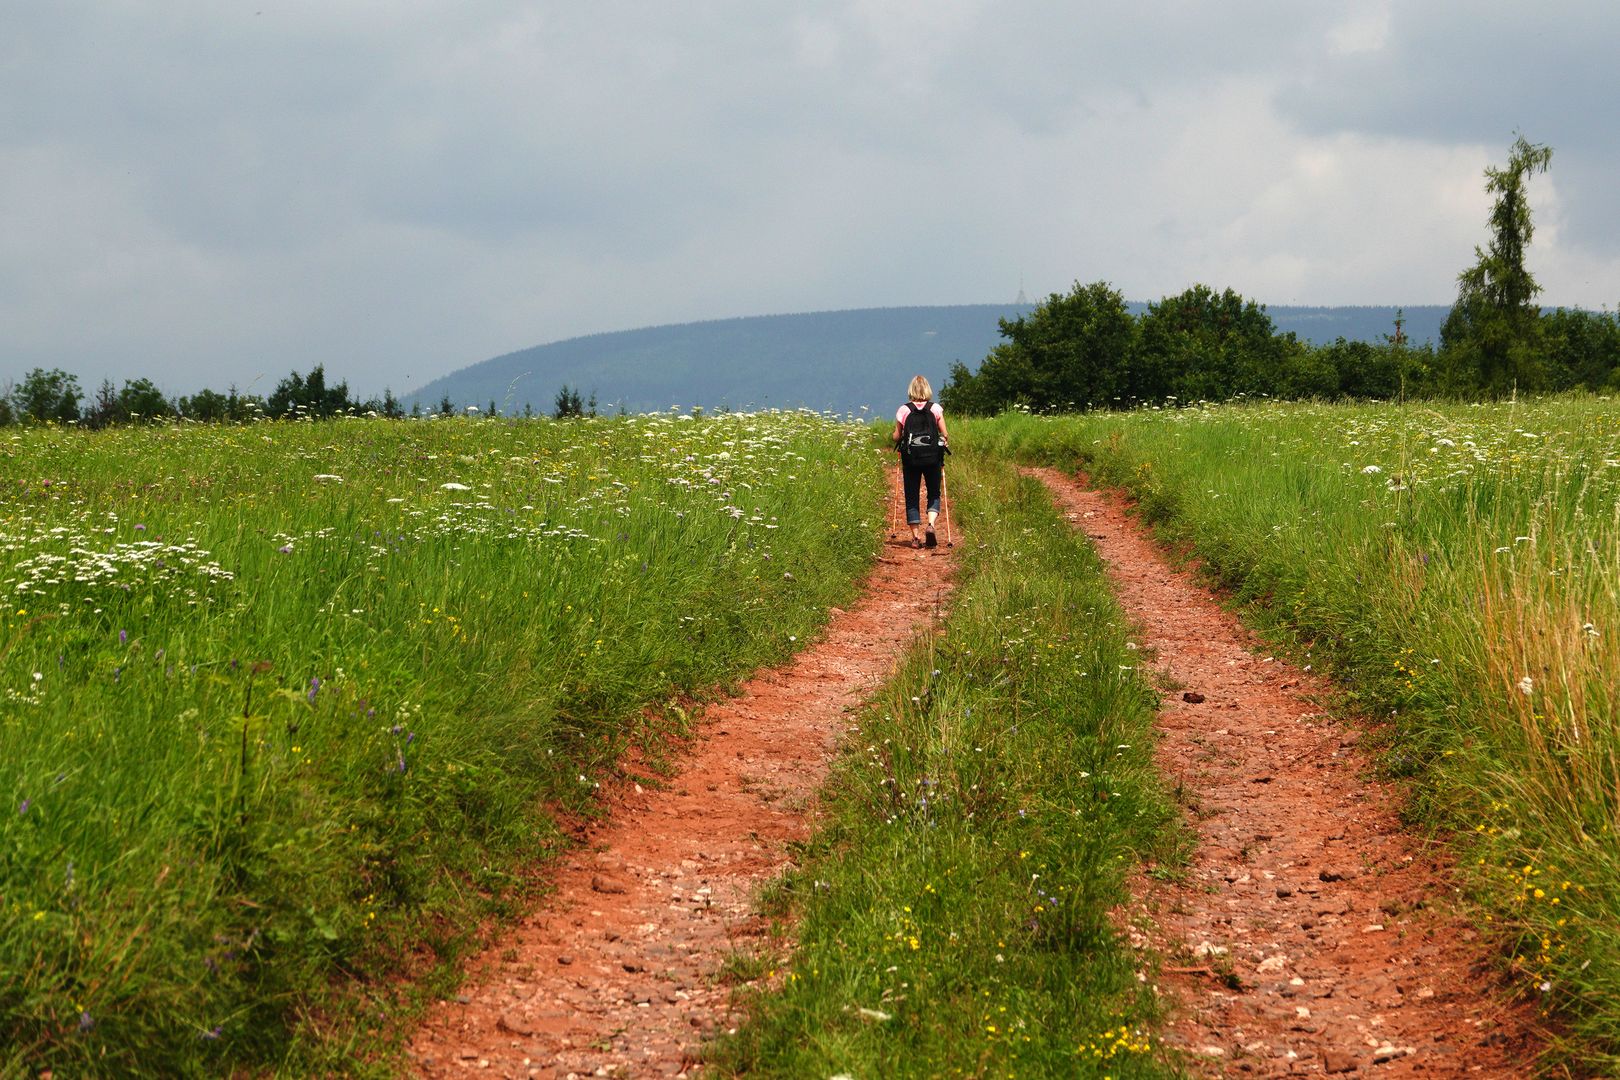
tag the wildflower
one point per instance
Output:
(86, 1021)
(1370, 470)
(23, 809)
(123, 637)
(314, 688)
(1527, 686)
(285, 549)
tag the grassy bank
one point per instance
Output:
(953, 916)
(283, 706)
(1459, 570)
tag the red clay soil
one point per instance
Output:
(1310, 935)
(616, 975)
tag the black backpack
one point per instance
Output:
(919, 438)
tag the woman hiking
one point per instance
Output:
(919, 435)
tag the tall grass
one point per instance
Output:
(954, 917)
(286, 709)
(1459, 568)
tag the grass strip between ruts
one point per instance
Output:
(954, 913)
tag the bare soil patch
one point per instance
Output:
(618, 973)
(1310, 934)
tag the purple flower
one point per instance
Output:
(314, 688)
(123, 637)
(212, 1033)
(23, 809)
(285, 549)
(139, 527)
(86, 1022)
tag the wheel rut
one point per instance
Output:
(1311, 934)
(618, 971)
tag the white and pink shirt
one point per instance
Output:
(905, 410)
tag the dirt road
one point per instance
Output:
(1309, 935)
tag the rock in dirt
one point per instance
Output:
(516, 1023)
(1338, 1060)
(604, 884)
(525, 1024)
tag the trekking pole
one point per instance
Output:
(945, 497)
(895, 501)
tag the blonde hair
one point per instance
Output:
(919, 390)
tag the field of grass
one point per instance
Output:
(1458, 568)
(287, 709)
(953, 918)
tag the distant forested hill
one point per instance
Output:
(833, 360)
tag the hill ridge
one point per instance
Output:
(837, 360)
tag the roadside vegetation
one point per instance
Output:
(1458, 569)
(954, 916)
(287, 709)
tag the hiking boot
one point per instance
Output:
(932, 540)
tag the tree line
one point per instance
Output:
(1085, 350)
(53, 396)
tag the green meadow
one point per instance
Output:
(293, 714)
(1457, 568)
(289, 710)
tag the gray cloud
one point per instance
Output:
(204, 192)
(1546, 72)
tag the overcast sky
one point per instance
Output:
(208, 192)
